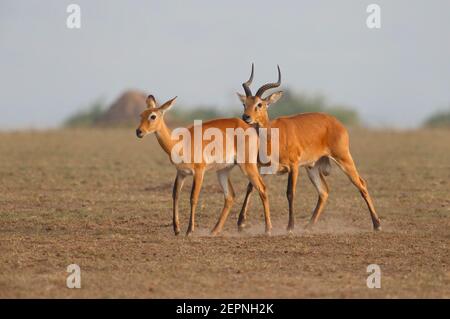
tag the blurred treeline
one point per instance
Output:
(439, 120)
(88, 116)
(289, 104)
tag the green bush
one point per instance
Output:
(439, 119)
(87, 117)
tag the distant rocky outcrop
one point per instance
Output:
(125, 110)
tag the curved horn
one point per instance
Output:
(268, 86)
(246, 85)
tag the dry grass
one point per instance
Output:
(102, 199)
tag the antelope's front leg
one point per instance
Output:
(257, 181)
(177, 185)
(290, 194)
(196, 187)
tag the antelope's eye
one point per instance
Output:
(243, 104)
(153, 117)
(259, 104)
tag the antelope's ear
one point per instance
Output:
(242, 97)
(166, 106)
(151, 102)
(272, 98)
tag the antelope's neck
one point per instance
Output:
(265, 137)
(164, 137)
(265, 123)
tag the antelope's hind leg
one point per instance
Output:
(319, 182)
(229, 195)
(347, 165)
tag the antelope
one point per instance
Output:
(306, 139)
(152, 121)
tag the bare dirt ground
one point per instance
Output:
(102, 199)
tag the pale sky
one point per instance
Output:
(202, 52)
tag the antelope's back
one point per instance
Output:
(308, 135)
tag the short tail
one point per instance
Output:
(324, 165)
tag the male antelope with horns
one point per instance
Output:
(152, 121)
(307, 139)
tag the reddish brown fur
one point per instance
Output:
(163, 134)
(308, 139)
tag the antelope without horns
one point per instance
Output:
(307, 139)
(152, 121)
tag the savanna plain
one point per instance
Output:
(101, 198)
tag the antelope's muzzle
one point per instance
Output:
(247, 119)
